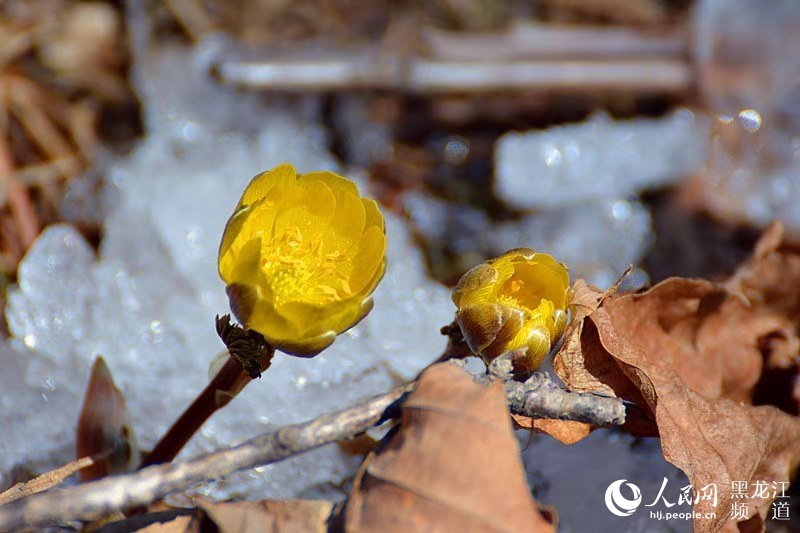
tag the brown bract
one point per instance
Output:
(453, 465)
(692, 355)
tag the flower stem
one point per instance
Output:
(250, 355)
(226, 384)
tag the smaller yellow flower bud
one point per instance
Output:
(515, 302)
(301, 256)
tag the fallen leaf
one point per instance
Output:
(694, 351)
(580, 371)
(771, 276)
(269, 515)
(451, 465)
(771, 279)
(45, 481)
(595, 376)
(713, 440)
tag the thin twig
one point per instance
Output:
(96, 499)
(425, 76)
(47, 480)
(540, 397)
(526, 57)
(93, 500)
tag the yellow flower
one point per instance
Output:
(514, 302)
(301, 256)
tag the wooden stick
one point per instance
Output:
(423, 76)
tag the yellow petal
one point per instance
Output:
(505, 265)
(538, 347)
(247, 222)
(265, 319)
(232, 230)
(279, 177)
(373, 215)
(559, 323)
(306, 346)
(519, 254)
(334, 181)
(536, 281)
(348, 223)
(368, 259)
(534, 285)
(244, 265)
(309, 209)
(373, 282)
(312, 319)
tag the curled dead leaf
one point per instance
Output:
(452, 465)
(712, 438)
(569, 362)
(583, 371)
(692, 353)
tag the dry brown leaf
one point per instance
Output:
(694, 353)
(566, 431)
(580, 375)
(269, 515)
(45, 481)
(712, 439)
(452, 465)
(771, 277)
(581, 372)
(771, 280)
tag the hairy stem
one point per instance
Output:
(213, 397)
(250, 354)
(230, 380)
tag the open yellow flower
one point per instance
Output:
(514, 302)
(301, 256)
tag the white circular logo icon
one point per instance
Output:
(619, 504)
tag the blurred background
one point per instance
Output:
(659, 133)
(663, 134)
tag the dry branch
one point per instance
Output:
(94, 500)
(424, 76)
(526, 57)
(540, 397)
(45, 481)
